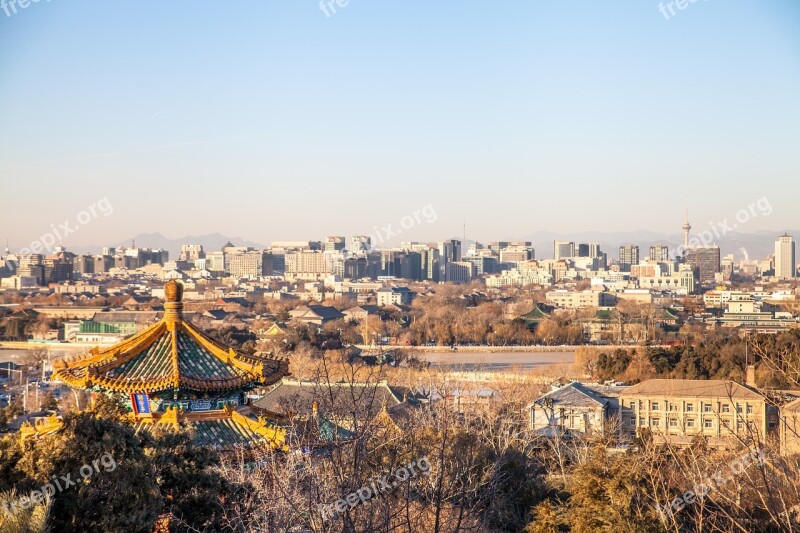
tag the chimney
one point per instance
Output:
(751, 376)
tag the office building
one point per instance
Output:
(785, 257)
(360, 244)
(628, 256)
(706, 263)
(334, 243)
(659, 253)
(563, 250)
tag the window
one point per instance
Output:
(726, 408)
(689, 407)
(654, 406)
(690, 422)
(654, 422)
(631, 421)
(706, 407)
(749, 408)
(673, 406)
(641, 404)
(673, 423)
(738, 408)
(642, 422)
(708, 423)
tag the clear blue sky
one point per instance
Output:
(270, 120)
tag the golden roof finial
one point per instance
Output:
(173, 291)
(173, 303)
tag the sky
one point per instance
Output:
(280, 120)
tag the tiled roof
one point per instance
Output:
(697, 388)
(219, 429)
(168, 355)
(297, 397)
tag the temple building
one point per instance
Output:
(171, 373)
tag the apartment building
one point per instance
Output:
(581, 299)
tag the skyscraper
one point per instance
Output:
(705, 262)
(659, 253)
(628, 256)
(563, 249)
(785, 257)
(360, 244)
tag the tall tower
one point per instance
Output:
(686, 229)
(785, 257)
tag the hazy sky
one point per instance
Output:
(270, 120)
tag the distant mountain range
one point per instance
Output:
(756, 245)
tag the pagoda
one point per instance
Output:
(173, 374)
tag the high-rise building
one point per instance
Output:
(583, 250)
(628, 256)
(659, 253)
(450, 251)
(706, 263)
(250, 264)
(307, 262)
(594, 249)
(785, 257)
(334, 243)
(215, 262)
(191, 253)
(563, 250)
(83, 264)
(360, 244)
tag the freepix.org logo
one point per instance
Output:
(10, 7)
(376, 487)
(57, 233)
(60, 483)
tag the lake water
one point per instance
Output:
(498, 360)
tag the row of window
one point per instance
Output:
(708, 423)
(705, 407)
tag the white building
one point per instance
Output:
(785, 257)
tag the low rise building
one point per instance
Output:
(679, 410)
(581, 299)
(395, 296)
(575, 408)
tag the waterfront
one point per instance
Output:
(497, 361)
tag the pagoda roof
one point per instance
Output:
(170, 355)
(227, 428)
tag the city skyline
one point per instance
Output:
(233, 121)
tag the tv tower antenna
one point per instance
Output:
(686, 229)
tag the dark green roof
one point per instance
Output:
(535, 314)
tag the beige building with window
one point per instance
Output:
(677, 410)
